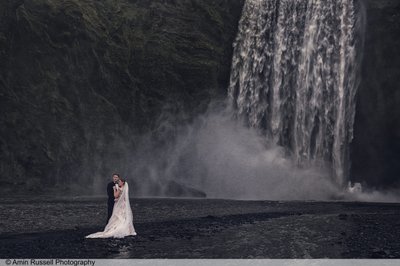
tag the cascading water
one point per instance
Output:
(295, 76)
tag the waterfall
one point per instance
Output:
(295, 75)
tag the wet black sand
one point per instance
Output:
(201, 228)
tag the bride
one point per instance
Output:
(120, 223)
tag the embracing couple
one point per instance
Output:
(120, 218)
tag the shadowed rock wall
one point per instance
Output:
(376, 145)
(80, 80)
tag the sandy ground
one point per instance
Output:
(201, 228)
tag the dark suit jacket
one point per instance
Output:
(110, 201)
(110, 192)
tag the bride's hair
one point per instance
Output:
(122, 179)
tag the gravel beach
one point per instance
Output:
(201, 228)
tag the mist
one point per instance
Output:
(218, 154)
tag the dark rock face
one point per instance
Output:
(376, 145)
(81, 80)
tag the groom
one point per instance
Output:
(110, 193)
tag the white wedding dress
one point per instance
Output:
(121, 220)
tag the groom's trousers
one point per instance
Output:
(110, 204)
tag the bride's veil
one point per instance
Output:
(128, 213)
(122, 208)
(128, 225)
